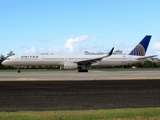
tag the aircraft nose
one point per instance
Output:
(4, 62)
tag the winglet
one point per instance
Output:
(90, 61)
(110, 53)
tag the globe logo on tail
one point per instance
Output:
(138, 51)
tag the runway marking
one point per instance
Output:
(25, 76)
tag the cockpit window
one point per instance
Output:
(8, 59)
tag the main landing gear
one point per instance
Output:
(82, 70)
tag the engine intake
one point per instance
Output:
(70, 66)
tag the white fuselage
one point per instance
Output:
(60, 60)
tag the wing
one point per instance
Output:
(145, 57)
(90, 61)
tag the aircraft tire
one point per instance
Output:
(82, 70)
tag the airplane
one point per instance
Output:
(82, 62)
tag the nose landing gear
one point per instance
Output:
(18, 70)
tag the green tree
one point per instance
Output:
(2, 58)
(149, 64)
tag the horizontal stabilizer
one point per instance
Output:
(145, 57)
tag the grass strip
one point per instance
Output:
(101, 69)
(113, 114)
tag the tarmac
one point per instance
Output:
(69, 90)
(75, 76)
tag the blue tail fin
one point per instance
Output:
(141, 48)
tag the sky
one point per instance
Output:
(75, 26)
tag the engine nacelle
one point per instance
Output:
(70, 66)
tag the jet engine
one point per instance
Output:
(69, 66)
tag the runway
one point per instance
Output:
(78, 95)
(69, 90)
(75, 76)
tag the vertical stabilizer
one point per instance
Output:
(141, 48)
